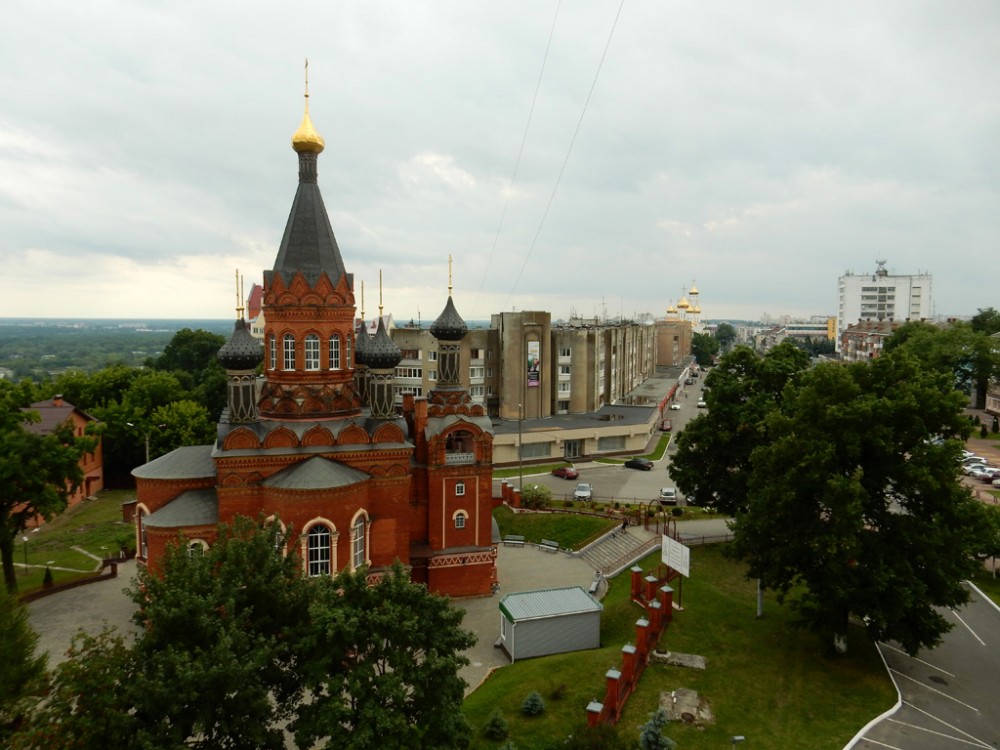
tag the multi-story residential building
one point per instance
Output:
(882, 296)
(865, 340)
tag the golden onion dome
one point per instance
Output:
(306, 140)
(694, 291)
(684, 304)
(696, 310)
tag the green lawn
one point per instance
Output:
(572, 531)
(765, 680)
(90, 525)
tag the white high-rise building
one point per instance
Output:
(882, 296)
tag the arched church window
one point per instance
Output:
(358, 556)
(335, 351)
(312, 352)
(318, 549)
(288, 346)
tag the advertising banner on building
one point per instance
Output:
(534, 363)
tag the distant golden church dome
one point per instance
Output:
(694, 291)
(684, 304)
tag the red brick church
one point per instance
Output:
(320, 445)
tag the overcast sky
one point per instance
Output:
(758, 150)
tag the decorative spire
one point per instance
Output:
(239, 295)
(449, 325)
(381, 353)
(380, 293)
(306, 139)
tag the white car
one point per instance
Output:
(675, 407)
(981, 474)
(974, 459)
(583, 491)
(701, 403)
(969, 468)
(668, 496)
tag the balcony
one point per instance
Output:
(454, 459)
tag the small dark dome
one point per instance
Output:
(242, 351)
(380, 352)
(361, 342)
(449, 325)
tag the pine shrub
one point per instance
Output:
(533, 704)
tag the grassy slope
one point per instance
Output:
(764, 680)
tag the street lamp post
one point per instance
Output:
(25, 540)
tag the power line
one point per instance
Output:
(569, 151)
(520, 152)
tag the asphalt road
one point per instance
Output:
(949, 693)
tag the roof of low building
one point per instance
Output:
(535, 605)
(191, 508)
(186, 462)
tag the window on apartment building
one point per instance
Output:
(288, 347)
(489, 390)
(477, 391)
(409, 372)
(477, 372)
(536, 450)
(611, 443)
(562, 407)
(432, 374)
(475, 353)
(564, 388)
(312, 351)
(489, 354)
(564, 369)
(402, 390)
(335, 351)
(565, 351)
(489, 372)
(410, 353)
(432, 356)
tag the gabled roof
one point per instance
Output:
(316, 473)
(53, 413)
(535, 605)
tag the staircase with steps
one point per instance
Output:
(619, 549)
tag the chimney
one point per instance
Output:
(57, 400)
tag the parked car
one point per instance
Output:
(566, 472)
(666, 425)
(988, 474)
(969, 468)
(974, 459)
(701, 403)
(688, 381)
(668, 496)
(583, 491)
(996, 482)
(639, 463)
(675, 406)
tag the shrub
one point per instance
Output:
(496, 726)
(983, 432)
(677, 512)
(558, 692)
(47, 581)
(651, 733)
(533, 704)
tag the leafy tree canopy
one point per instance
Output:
(852, 508)
(704, 347)
(237, 648)
(725, 334)
(23, 671)
(38, 473)
(713, 453)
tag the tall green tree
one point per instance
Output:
(217, 651)
(23, 670)
(704, 347)
(969, 355)
(725, 334)
(38, 473)
(853, 509)
(712, 461)
(381, 666)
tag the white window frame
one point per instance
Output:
(319, 549)
(335, 352)
(460, 519)
(272, 351)
(459, 489)
(359, 530)
(288, 351)
(311, 349)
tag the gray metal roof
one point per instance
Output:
(191, 508)
(187, 462)
(316, 473)
(437, 425)
(534, 605)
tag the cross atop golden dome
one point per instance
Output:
(306, 139)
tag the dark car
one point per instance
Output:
(566, 472)
(639, 463)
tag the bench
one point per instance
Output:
(594, 586)
(548, 545)
(513, 540)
